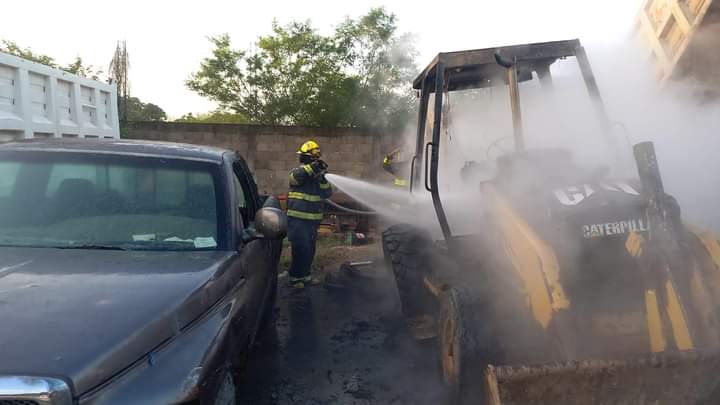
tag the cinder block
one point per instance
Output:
(350, 157)
(224, 138)
(340, 166)
(263, 146)
(269, 138)
(261, 164)
(265, 155)
(354, 139)
(263, 173)
(280, 166)
(348, 147)
(241, 147)
(290, 145)
(278, 147)
(209, 138)
(365, 149)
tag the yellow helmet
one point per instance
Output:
(309, 148)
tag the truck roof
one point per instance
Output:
(120, 147)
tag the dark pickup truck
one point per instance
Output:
(130, 272)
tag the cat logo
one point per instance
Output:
(575, 195)
(614, 228)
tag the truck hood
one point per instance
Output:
(85, 315)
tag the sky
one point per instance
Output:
(167, 40)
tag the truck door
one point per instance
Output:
(255, 256)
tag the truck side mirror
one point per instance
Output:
(271, 223)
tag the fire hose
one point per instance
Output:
(348, 210)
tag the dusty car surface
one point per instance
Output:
(130, 272)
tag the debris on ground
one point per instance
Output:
(348, 348)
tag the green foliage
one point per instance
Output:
(215, 117)
(139, 111)
(76, 67)
(358, 77)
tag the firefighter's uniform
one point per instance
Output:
(399, 169)
(308, 189)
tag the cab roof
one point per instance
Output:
(119, 147)
(478, 68)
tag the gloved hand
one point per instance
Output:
(320, 167)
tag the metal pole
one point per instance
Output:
(545, 77)
(667, 261)
(515, 106)
(592, 88)
(437, 121)
(420, 141)
(659, 217)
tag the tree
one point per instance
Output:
(76, 67)
(359, 76)
(385, 64)
(139, 111)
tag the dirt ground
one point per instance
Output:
(332, 250)
(343, 346)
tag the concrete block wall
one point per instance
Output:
(270, 150)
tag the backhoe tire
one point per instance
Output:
(466, 344)
(408, 251)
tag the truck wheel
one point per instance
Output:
(464, 345)
(226, 393)
(408, 251)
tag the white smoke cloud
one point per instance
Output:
(478, 128)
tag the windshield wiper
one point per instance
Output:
(92, 247)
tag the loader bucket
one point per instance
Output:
(658, 379)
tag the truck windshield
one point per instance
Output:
(88, 201)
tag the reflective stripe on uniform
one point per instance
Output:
(305, 215)
(302, 196)
(401, 182)
(304, 205)
(308, 169)
(324, 186)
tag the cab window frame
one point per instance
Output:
(241, 177)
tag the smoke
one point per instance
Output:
(399, 206)
(597, 275)
(684, 127)
(477, 129)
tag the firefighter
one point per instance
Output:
(393, 164)
(308, 189)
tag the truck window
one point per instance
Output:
(244, 193)
(240, 199)
(239, 193)
(132, 203)
(60, 172)
(8, 174)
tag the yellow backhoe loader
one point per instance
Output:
(578, 287)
